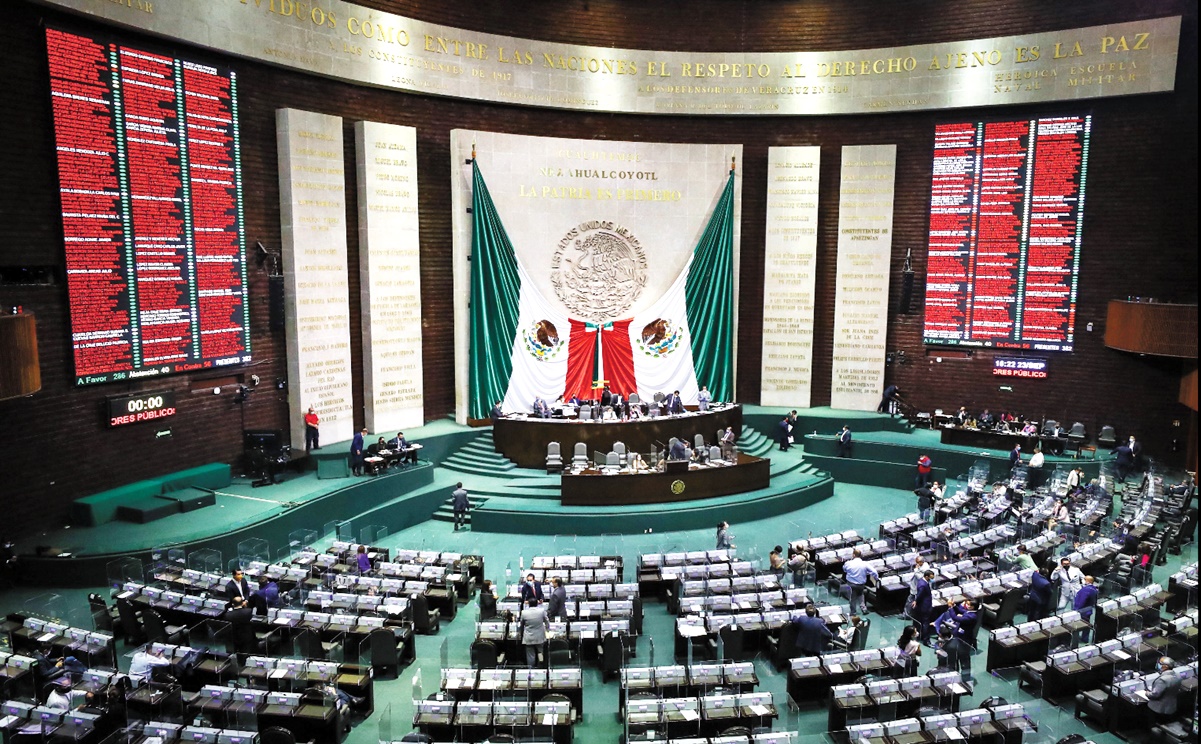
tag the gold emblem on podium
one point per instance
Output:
(677, 487)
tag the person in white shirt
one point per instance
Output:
(1070, 580)
(1037, 459)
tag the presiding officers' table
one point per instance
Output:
(593, 488)
(523, 439)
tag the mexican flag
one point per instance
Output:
(524, 347)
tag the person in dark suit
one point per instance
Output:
(922, 604)
(678, 451)
(618, 404)
(556, 608)
(964, 617)
(1039, 598)
(357, 451)
(785, 433)
(461, 504)
(844, 442)
(1084, 602)
(239, 615)
(891, 395)
(954, 653)
(541, 409)
(496, 414)
(237, 586)
(1015, 456)
(673, 403)
(1123, 462)
(812, 635)
(531, 588)
(925, 502)
(267, 595)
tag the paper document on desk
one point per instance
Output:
(835, 668)
(549, 719)
(46, 636)
(1121, 654)
(959, 689)
(953, 733)
(278, 673)
(760, 710)
(7, 721)
(688, 714)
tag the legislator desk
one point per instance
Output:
(999, 440)
(523, 439)
(592, 488)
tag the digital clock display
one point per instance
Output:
(134, 409)
(1031, 369)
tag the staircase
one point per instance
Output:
(446, 513)
(481, 458)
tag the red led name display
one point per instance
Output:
(1006, 204)
(150, 180)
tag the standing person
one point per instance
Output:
(799, 565)
(533, 630)
(785, 434)
(267, 595)
(856, 572)
(1039, 598)
(922, 606)
(461, 505)
(727, 444)
(703, 398)
(925, 503)
(556, 607)
(776, 563)
(1069, 579)
(311, 434)
(1136, 451)
(674, 404)
(925, 466)
(237, 586)
(844, 442)
(1015, 456)
(910, 646)
(724, 537)
(1123, 462)
(889, 399)
(812, 634)
(531, 589)
(356, 452)
(1165, 688)
(1085, 601)
(1074, 479)
(1037, 459)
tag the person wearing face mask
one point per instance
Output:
(1161, 698)
(531, 589)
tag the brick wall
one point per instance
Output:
(1140, 227)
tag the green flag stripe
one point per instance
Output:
(495, 296)
(709, 300)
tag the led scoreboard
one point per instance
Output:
(151, 187)
(1006, 208)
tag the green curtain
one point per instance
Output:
(495, 296)
(709, 299)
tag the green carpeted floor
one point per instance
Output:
(852, 507)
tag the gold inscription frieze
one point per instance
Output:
(361, 45)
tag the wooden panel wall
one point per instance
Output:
(1140, 228)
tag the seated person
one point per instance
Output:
(403, 449)
(986, 420)
(146, 659)
(962, 416)
(637, 464)
(1030, 429)
(541, 410)
(609, 414)
(846, 634)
